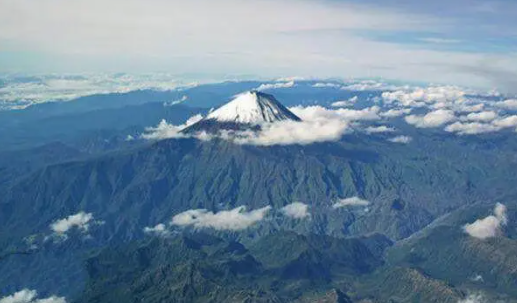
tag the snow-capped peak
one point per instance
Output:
(252, 107)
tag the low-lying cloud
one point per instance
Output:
(30, 296)
(296, 210)
(234, 219)
(432, 119)
(318, 124)
(80, 221)
(490, 226)
(510, 104)
(353, 201)
(453, 109)
(165, 130)
(393, 113)
(471, 128)
(277, 85)
(158, 229)
(485, 116)
(474, 298)
(474, 128)
(400, 139)
(379, 129)
(345, 103)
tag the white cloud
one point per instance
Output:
(47, 88)
(326, 85)
(485, 116)
(439, 40)
(392, 113)
(510, 104)
(400, 139)
(159, 230)
(379, 129)
(474, 298)
(477, 278)
(29, 296)
(471, 128)
(80, 221)
(470, 107)
(369, 85)
(505, 122)
(490, 226)
(165, 130)
(318, 124)
(432, 119)
(289, 132)
(235, 219)
(296, 210)
(345, 103)
(353, 201)
(418, 97)
(269, 86)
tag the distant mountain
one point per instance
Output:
(246, 111)
(444, 251)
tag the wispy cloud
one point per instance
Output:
(276, 85)
(379, 129)
(235, 219)
(353, 201)
(439, 40)
(400, 139)
(345, 103)
(308, 38)
(21, 91)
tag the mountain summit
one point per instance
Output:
(246, 111)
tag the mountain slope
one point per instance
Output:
(201, 268)
(444, 251)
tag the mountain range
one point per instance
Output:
(383, 221)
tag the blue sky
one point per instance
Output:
(466, 42)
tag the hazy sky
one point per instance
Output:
(467, 42)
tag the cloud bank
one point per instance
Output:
(490, 226)
(453, 109)
(30, 296)
(20, 92)
(234, 219)
(353, 201)
(296, 210)
(318, 124)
